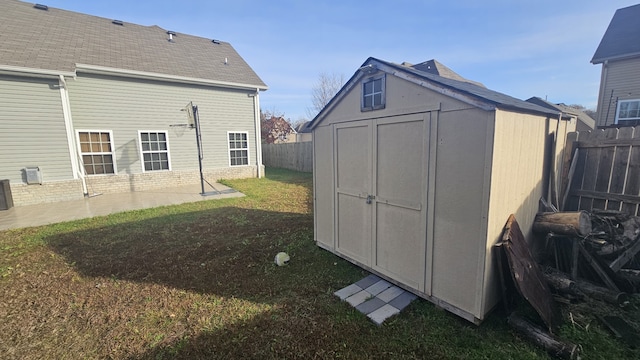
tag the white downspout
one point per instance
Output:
(71, 138)
(256, 106)
(601, 98)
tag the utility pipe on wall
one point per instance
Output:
(74, 153)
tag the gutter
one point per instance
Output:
(33, 72)
(103, 70)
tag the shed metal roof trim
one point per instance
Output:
(63, 39)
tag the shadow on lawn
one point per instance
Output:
(285, 334)
(226, 251)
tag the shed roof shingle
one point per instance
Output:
(464, 87)
(622, 38)
(498, 99)
(581, 115)
(56, 39)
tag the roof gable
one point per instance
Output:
(622, 38)
(435, 67)
(475, 95)
(580, 115)
(58, 40)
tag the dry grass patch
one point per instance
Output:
(198, 281)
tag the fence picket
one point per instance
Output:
(294, 156)
(607, 172)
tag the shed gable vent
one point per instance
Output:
(41, 7)
(117, 22)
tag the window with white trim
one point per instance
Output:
(96, 150)
(373, 93)
(154, 147)
(238, 148)
(628, 110)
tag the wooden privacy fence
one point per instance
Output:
(294, 156)
(605, 170)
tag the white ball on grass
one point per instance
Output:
(282, 259)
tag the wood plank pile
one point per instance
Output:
(605, 251)
(590, 264)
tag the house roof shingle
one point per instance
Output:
(435, 67)
(495, 98)
(622, 38)
(58, 40)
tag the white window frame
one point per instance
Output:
(142, 151)
(620, 102)
(383, 93)
(229, 149)
(112, 153)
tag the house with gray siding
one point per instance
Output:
(619, 55)
(93, 105)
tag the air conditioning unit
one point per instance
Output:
(33, 174)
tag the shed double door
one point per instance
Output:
(381, 193)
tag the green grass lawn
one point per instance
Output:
(198, 281)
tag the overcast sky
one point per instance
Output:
(522, 48)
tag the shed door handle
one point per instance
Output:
(369, 198)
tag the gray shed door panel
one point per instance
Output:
(353, 185)
(383, 160)
(400, 240)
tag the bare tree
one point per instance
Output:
(325, 88)
(590, 112)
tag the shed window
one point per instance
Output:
(154, 147)
(238, 148)
(96, 149)
(628, 110)
(373, 93)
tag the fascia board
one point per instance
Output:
(103, 70)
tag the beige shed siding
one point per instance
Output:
(126, 106)
(622, 83)
(459, 205)
(516, 182)
(402, 97)
(323, 186)
(33, 130)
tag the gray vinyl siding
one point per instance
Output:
(32, 129)
(622, 83)
(126, 106)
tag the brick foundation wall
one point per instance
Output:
(72, 190)
(24, 194)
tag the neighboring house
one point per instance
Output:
(585, 122)
(619, 54)
(415, 175)
(303, 132)
(90, 105)
(277, 130)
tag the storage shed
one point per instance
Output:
(417, 170)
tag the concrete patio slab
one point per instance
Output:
(43, 214)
